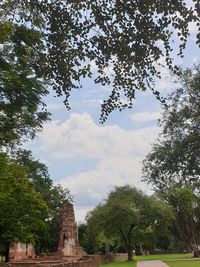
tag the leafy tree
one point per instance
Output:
(126, 215)
(186, 208)
(23, 211)
(52, 195)
(92, 240)
(174, 159)
(172, 167)
(22, 83)
(160, 217)
(85, 243)
(128, 36)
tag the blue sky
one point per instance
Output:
(90, 158)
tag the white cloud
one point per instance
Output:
(80, 136)
(145, 116)
(119, 152)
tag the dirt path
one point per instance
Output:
(151, 264)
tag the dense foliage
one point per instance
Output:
(23, 211)
(172, 167)
(30, 202)
(174, 159)
(124, 39)
(22, 110)
(53, 195)
(127, 217)
(186, 207)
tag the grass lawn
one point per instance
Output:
(163, 257)
(192, 263)
(121, 264)
(168, 258)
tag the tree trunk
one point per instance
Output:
(107, 249)
(130, 253)
(7, 248)
(196, 254)
(138, 249)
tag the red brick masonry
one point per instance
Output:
(20, 251)
(86, 261)
(68, 254)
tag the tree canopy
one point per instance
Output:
(128, 216)
(23, 211)
(172, 167)
(186, 208)
(126, 37)
(53, 195)
(29, 199)
(174, 159)
(30, 202)
(22, 110)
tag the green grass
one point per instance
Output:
(191, 263)
(168, 258)
(121, 264)
(163, 257)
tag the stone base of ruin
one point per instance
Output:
(68, 254)
(86, 261)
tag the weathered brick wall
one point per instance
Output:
(68, 241)
(20, 251)
(89, 261)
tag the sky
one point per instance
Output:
(90, 158)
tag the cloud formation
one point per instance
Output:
(119, 153)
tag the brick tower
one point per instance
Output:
(68, 244)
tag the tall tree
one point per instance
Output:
(172, 167)
(128, 36)
(174, 159)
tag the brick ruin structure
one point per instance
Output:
(68, 245)
(69, 252)
(20, 251)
